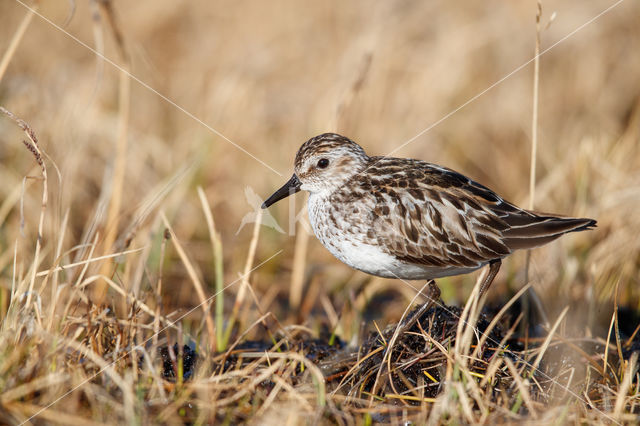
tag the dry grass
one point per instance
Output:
(127, 293)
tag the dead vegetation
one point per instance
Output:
(135, 138)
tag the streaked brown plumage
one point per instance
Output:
(404, 218)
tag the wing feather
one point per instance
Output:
(433, 216)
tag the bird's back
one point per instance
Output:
(428, 216)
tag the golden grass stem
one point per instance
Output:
(15, 40)
(49, 415)
(629, 374)
(120, 163)
(319, 379)
(88, 261)
(156, 321)
(534, 118)
(41, 383)
(33, 146)
(117, 184)
(219, 286)
(244, 284)
(216, 243)
(109, 368)
(548, 340)
(616, 325)
(494, 321)
(409, 398)
(299, 263)
(534, 153)
(606, 347)
(127, 296)
(523, 391)
(195, 280)
(58, 256)
(249, 263)
(467, 321)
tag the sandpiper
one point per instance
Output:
(409, 219)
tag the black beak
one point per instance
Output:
(287, 189)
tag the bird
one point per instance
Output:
(409, 219)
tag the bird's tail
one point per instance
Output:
(542, 229)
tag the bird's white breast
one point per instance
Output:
(347, 246)
(344, 237)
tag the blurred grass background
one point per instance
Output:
(269, 75)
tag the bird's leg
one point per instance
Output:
(494, 267)
(433, 295)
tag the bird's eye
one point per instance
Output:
(323, 163)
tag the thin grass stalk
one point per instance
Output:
(526, 302)
(244, 284)
(534, 118)
(105, 367)
(316, 373)
(85, 263)
(54, 285)
(195, 280)
(33, 146)
(49, 416)
(494, 321)
(219, 277)
(216, 243)
(156, 321)
(129, 297)
(119, 168)
(617, 327)
(15, 40)
(621, 398)
(39, 384)
(547, 341)
(386, 359)
(467, 321)
(523, 391)
(608, 342)
(117, 185)
(299, 263)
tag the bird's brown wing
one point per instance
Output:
(431, 215)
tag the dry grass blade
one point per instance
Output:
(523, 388)
(299, 263)
(432, 295)
(119, 172)
(33, 147)
(88, 261)
(629, 374)
(496, 319)
(548, 340)
(216, 244)
(608, 342)
(534, 117)
(195, 280)
(244, 284)
(319, 380)
(10, 395)
(53, 416)
(15, 41)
